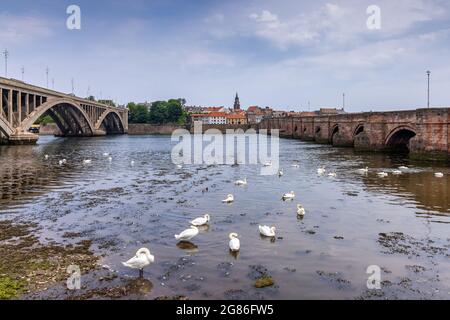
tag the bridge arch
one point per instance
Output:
(334, 131)
(399, 138)
(110, 122)
(359, 129)
(68, 115)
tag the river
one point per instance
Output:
(353, 221)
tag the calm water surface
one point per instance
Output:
(325, 255)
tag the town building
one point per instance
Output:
(210, 118)
(255, 114)
(237, 118)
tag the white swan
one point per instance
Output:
(403, 168)
(230, 198)
(382, 174)
(46, 157)
(234, 243)
(280, 173)
(289, 195)
(61, 162)
(268, 164)
(87, 161)
(132, 162)
(201, 221)
(142, 259)
(321, 171)
(300, 210)
(332, 174)
(109, 159)
(241, 182)
(105, 154)
(363, 170)
(397, 172)
(187, 234)
(439, 175)
(179, 166)
(267, 231)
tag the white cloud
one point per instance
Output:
(15, 29)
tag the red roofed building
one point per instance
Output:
(210, 118)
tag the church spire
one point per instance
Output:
(237, 103)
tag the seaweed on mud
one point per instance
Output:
(398, 242)
(27, 265)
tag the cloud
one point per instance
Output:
(18, 29)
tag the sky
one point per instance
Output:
(287, 54)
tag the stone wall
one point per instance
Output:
(224, 127)
(50, 129)
(146, 128)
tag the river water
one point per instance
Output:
(353, 221)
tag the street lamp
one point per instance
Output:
(428, 73)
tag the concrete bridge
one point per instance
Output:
(424, 133)
(21, 104)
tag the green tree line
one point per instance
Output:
(160, 112)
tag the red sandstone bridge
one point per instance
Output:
(21, 104)
(422, 132)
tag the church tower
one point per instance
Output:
(237, 103)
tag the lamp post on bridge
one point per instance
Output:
(6, 54)
(428, 73)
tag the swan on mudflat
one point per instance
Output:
(142, 259)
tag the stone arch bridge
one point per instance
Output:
(423, 132)
(22, 104)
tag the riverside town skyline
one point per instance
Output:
(286, 55)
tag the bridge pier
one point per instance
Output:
(23, 138)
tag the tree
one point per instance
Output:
(138, 113)
(174, 110)
(158, 112)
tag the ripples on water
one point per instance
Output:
(325, 255)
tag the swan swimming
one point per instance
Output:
(300, 210)
(289, 195)
(179, 166)
(363, 170)
(230, 198)
(321, 171)
(332, 174)
(241, 182)
(234, 243)
(267, 231)
(201, 221)
(132, 162)
(61, 162)
(439, 175)
(280, 173)
(109, 159)
(142, 259)
(46, 157)
(105, 154)
(87, 161)
(382, 174)
(187, 234)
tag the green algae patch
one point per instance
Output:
(10, 288)
(28, 265)
(264, 281)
